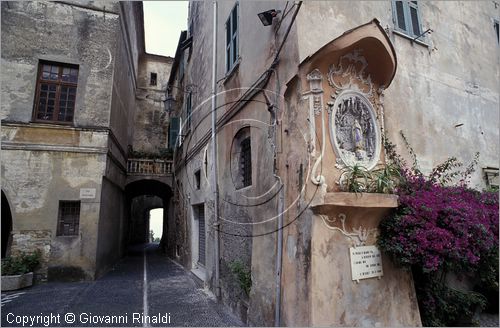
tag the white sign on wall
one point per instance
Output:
(366, 262)
(87, 193)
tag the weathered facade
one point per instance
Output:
(76, 101)
(422, 68)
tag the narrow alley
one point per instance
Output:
(171, 296)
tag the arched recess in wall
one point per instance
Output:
(241, 159)
(6, 224)
(144, 187)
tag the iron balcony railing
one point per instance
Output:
(149, 166)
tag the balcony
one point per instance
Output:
(139, 166)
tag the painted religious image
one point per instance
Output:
(354, 130)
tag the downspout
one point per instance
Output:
(215, 188)
(281, 207)
(281, 200)
(279, 253)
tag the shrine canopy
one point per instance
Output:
(376, 48)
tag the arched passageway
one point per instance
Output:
(6, 224)
(142, 196)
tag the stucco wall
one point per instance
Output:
(151, 119)
(58, 32)
(44, 163)
(34, 182)
(452, 79)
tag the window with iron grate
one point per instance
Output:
(246, 162)
(69, 218)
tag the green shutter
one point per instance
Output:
(173, 131)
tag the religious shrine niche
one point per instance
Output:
(354, 131)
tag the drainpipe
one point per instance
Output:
(281, 207)
(215, 187)
(279, 253)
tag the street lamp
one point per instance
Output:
(169, 103)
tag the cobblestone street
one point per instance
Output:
(172, 296)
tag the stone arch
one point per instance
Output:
(148, 187)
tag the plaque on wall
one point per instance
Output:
(87, 193)
(366, 262)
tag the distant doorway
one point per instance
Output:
(155, 225)
(6, 224)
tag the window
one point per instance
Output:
(491, 176)
(55, 92)
(152, 79)
(232, 38)
(197, 179)
(406, 17)
(241, 159)
(246, 162)
(68, 218)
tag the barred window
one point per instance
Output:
(56, 92)
(246, 162)
(69, 218)
(241, 159)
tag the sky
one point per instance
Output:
(156, 221)
(163, 22)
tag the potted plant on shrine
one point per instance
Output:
(17, 271)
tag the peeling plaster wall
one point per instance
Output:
(454, 78)
(45, 163)
(34, 182)
(58, 32)
(256, 254)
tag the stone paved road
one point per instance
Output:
(172, 295)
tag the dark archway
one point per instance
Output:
(142, 196)
(6, 224)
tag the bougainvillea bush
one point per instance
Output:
(443, 226)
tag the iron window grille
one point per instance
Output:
(56, 92)
(232, 38)
(246, 162)
(406, 16)
(69, 218)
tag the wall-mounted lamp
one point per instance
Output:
(169, 103)
(266, 17)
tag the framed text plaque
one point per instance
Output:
(366, 262)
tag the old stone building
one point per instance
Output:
(84, 132)
(96, 132)
(294, 84)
